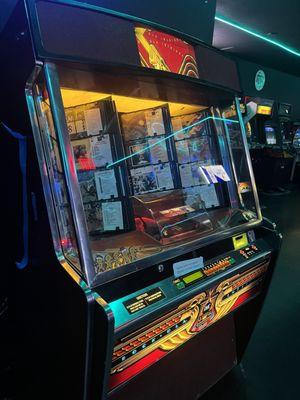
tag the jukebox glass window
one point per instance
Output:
(156, 162)
(66, 242)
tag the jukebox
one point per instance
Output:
(149, 259)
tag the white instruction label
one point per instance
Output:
(184, 267)
(215, 173)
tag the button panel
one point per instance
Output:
(208, 270)
(218, 265)
(130, 348)
(215, 266)
(249, 251)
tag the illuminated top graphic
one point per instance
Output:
(159, 50)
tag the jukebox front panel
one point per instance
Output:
(137, 351)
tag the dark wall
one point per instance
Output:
(279, 86)
(193, 17)
(6, 8)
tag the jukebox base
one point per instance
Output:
(189, 371)
(135, 354)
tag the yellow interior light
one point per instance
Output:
(124, 104)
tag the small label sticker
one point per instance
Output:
(215, 173)
(184, 267)
(143, 300)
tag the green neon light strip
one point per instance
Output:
(256, 34)
(169, 136)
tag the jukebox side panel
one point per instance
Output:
(135, 352)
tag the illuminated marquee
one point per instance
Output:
(159, 50)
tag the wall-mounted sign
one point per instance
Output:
(165, 52)
(260, 80)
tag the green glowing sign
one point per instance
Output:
(260, 80)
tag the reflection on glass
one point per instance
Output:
(67, 240)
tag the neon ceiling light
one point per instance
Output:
(257, 35)
(171, 135)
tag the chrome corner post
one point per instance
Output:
(226, 155)
(232, 161)
(248, 158)
(58, 114)
(41, 158)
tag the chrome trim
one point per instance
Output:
(232, 162)
(57, 108)
(227, 161)
(164, 256)
(45, 136)
(122, 183)
(248, 158)
(42, 162)
(269, 224)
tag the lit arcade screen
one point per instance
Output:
(264, 109)
(270, 135)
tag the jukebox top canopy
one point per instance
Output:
(144, 161)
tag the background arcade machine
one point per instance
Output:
(259, 111)
(149, 259)
(283, 154)
(295, 149)
(286, 125)
(268, 142)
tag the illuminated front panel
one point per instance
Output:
(139, 350)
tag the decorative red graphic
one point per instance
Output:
(165, 52)
(134, 369)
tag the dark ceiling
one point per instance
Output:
(276, 19)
